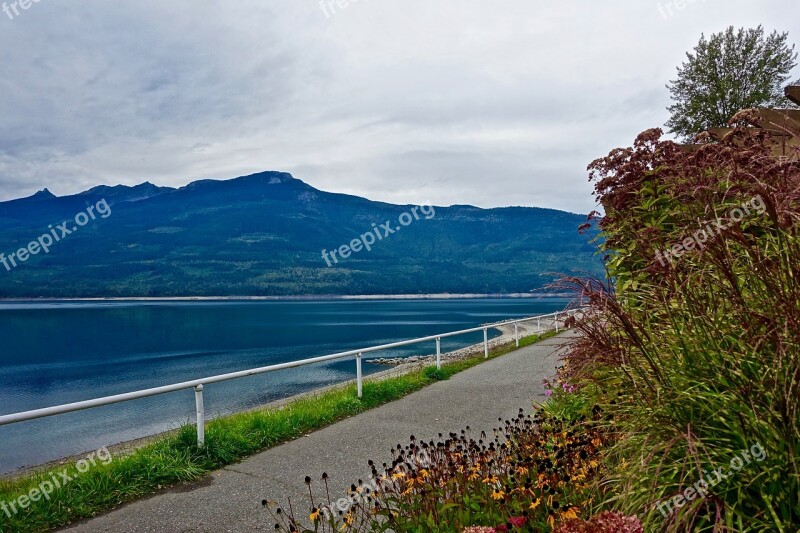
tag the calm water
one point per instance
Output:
(60, 352)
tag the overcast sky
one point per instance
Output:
(450, 101)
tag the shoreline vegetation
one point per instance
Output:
(697, 359)
(311, 297)
(173, 459)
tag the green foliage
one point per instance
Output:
(568, 406)
(728, 72)
(698, 357)
(435, 374)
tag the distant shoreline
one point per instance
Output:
(442, 296)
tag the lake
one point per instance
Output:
(61, 352)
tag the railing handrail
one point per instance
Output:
(198, 384)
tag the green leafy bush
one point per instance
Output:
(695, 344)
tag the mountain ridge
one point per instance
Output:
(263, 235)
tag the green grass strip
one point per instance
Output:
(176, 459)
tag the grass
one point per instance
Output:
(176, 459)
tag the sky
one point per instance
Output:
(404, 101)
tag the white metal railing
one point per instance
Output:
(199, 384)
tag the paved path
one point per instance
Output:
(230, 499)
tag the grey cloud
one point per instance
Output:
(397, 100)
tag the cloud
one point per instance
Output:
(465, 102)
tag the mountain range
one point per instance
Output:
(264, 235)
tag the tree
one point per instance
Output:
(730, 71)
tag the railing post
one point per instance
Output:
(516, 332)
(486, 343)
(438, 353)
(556, 322)
(538, 325)
(359, 376)
(201, 416)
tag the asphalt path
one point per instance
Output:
(230, 499)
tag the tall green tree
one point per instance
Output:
(728, 72)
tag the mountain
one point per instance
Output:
(265, 234)
(122, 193)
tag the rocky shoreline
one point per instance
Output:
(507, 335)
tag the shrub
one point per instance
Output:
(698, 351)
(606, 522)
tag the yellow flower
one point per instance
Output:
(314, 516)
(570, 513)
(498, 494)
(522, 471)
(491, 480)
(398, 475)
(535, 504)
(424, 473)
